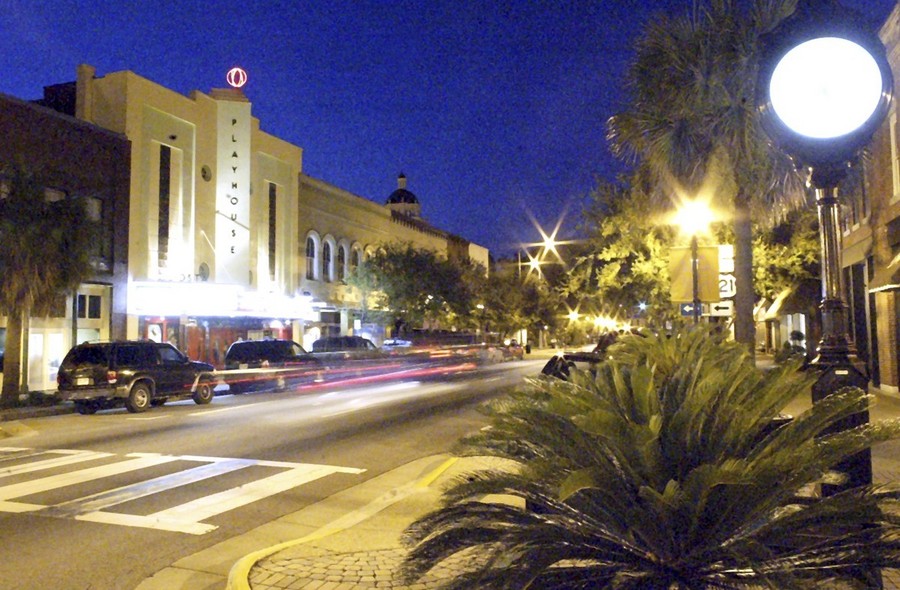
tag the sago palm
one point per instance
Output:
(663, 471)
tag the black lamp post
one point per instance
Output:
(824, 87)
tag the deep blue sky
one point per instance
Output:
(495, 111)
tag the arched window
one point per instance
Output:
(342, 262)
(326, 262)
(354, 260)
(310, 258)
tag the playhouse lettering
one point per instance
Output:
(233, 196)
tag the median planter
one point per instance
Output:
(672, 467)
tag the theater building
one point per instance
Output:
(212, 231)
(226, 237)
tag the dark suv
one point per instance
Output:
(347, 347)
(138, 374)
(252, 365)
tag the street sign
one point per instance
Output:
(681, 274)
(687, 309)
(727, 285)
(723, 308)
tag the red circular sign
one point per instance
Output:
(236, 77)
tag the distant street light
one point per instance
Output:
(694, 217)
(825, 86)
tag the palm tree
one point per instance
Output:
(45, 253)
(692, 119)
(663, 471)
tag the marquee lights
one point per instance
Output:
(236, 77)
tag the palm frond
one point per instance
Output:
(663, 469)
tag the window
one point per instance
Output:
(169, 354)
(165, 181)
(310, 258)
(354, 260)
(273, 209)
(89, 306)
(342, 262)
(326, 262)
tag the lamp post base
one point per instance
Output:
(835, 374)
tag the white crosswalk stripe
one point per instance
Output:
(184, 518)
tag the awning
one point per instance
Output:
(886, 278)
(802, 297)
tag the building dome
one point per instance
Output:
(404, 201)
(401, 195)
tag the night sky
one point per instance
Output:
(495, 111)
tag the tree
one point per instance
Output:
(666, 470)
(513, 302)
(415, 286)
(45, 253)
(691, 117)
(628, 253)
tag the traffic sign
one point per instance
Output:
(727, 285)
(723, 308)
(687, 309)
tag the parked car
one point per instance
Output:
(136, 374)
(252, 365)
(561, 364)
(346, 347)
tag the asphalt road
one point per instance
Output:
(103, 501)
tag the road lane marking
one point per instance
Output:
(69, 459)
(183, 518)
(209, 506)
(101, 500)
(53, 482)
(216, 411)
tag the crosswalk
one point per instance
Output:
(28, 472)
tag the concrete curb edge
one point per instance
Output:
(238, 576)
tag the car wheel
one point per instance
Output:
(203, 394)
(85, 408)
(139, 398)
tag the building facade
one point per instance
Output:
(72, 159)
(226, 237)
(339, 229)
(871, 241)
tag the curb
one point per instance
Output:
(239, 574)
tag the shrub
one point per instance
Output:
(663, 471)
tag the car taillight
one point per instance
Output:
(111, 376)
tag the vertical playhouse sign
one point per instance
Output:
(233, 192)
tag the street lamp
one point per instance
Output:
(694, 217)
(824, 87)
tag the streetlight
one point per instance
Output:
(824, 87)
(694, 217)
